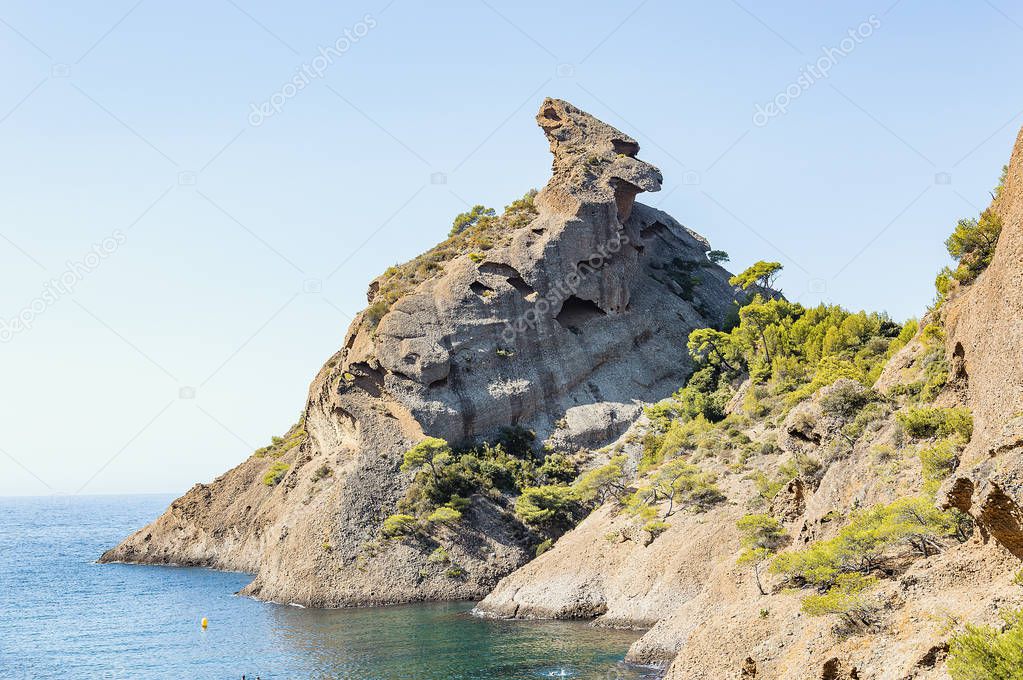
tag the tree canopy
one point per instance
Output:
(761, 274)
(468, 219)
(972, 245)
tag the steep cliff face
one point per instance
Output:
(562, 317)
(985, 341)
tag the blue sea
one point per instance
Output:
(64, 616)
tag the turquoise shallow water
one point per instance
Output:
(63, 616)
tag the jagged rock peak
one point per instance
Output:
(593, 162)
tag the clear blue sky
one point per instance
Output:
(235, 254)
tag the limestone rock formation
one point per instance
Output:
(710, 621)
(985, 343)
(563, 318)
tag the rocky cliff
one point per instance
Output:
(562, 316)
(985, 341)
(689, 583)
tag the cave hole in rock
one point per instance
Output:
(550, 114)
(624, 147)
(575, 312)
(480, 288)
(510, 274)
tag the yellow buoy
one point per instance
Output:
(204, 622)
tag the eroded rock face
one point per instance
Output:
(582, 308)
(984, 340)
(565, 326)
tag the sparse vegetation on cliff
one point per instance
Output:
(276, 473)
(841, 569)
(281, 445)
(926, 422)
(760, 536)
(674, 485)
(509, 470)
(972, 245)
(398, 525)
(989, 653)
(473, 232)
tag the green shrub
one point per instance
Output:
(760, 536)
(321, 472)
(458, 503)
(603, 483)
(444, 515)
(431, 452)
(714, 348)
(939, 461)
(439, 555)
(469, 219)
(767, 487)
(926, 422)
(678, 483)
(655, 528)
(915, 520)
(705, 395)
(845, 399)
(906, 334)
(760, 531)
(972, 245)
(791, 349)
(863, 545)
(685, 433)
(295, 435)
(545, 506)
(987, 653)
(398, 525)
(846, 598)
(446, 477)
(556, 467)
(869, 418)
(276, 473)
(375, 312)
(544, 546)
(761, 274)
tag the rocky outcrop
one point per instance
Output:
(711, 620)
(581, 309)
(563, 322)
(984, 331)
